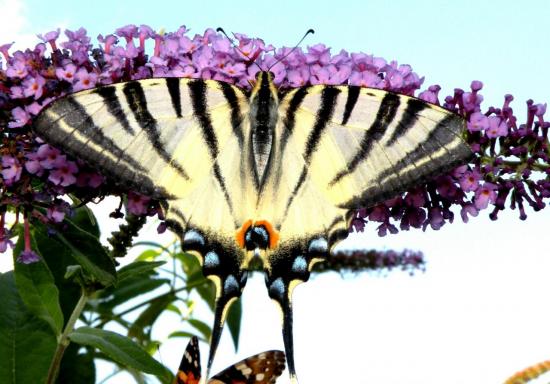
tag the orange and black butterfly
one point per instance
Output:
(263, 368)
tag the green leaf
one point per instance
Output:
(84, 218)
(202, 327)
(190, 263)
(207, 292)
(36, 287)
(149, 254)
(130, 289)
(121, 349)
(234, 321)
(27, 342)
(186, 335)
(57, 257)
(141, 327)
(137, 268)
(86, 249)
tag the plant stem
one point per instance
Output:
(63, 340)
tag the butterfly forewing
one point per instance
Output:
(263, 368)
(189, 371)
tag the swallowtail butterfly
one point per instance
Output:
(265, 173)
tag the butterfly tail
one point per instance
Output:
(222, 306)
(288, 339)
(280, 291)
(228, 290)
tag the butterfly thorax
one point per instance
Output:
(264, 105)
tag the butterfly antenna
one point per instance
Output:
(219, 29)
(293, 49)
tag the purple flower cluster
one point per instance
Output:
(510, 166)
(359, 260)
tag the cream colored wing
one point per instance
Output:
(341, 148)
(173, 139)
(179, 140)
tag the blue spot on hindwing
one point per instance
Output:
(230, 285)
(319, 245)
(299, 265)
(193, 236)
(277, 289)
(211, 260)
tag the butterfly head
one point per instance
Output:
(264, 88)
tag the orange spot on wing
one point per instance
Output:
(239, 236)
(184, 378)
(273, 234)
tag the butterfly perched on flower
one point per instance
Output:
(267, 174)
(263, 368)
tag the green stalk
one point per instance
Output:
(63, 340)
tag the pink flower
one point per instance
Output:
(20, 116)
(128, 32)
(48, 156)
(469, 181)
(109, 41)
(17, 70)
(27, 256)
(298, 77)
(431, 94)
(435, 218)
(50, 37)
(318, 54)
(366, 79)
(497, 127)
(485, 195)
(66, 73)
(137, 204)
(85, 80)
(468, 209)
(34, 86)
(11, 169)
(64, 172)
(478, 121)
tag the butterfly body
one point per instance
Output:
(260, 173)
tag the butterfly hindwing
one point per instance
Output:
(263, 368)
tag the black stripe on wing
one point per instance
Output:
(442, 135)
(353, 96)
(408, 120)
(289, 120)
(135, 97)
(111, 161)
(236, 115)
(173, 85)
(329, 96)
(108, 93)
(197, 91)
(385, 115)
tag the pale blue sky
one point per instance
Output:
(477, 315)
